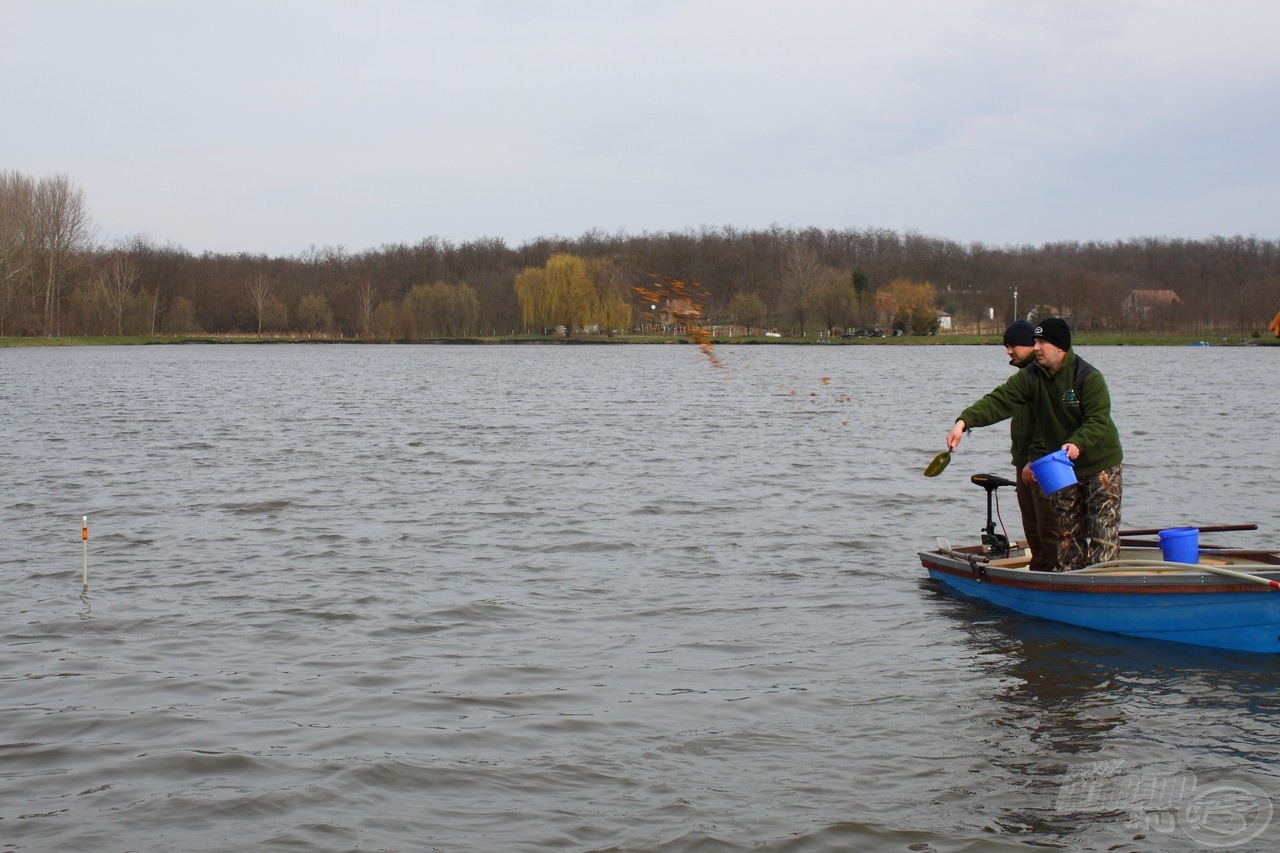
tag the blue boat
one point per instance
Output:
(1229, 599)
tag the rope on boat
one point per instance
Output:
(1166, 566)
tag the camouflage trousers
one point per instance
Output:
(1089, 520)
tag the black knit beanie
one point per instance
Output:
(1019, 334)
(1056, 331)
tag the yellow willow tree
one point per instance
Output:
(612, 295)
(564, 292)
(536, 306)
(912, 306)
(615, 314)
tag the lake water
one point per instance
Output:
(588, 598)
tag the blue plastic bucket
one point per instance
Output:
(1054, 472)
(1180, 545)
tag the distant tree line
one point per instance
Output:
(55, 279)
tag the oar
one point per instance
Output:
(1213, 528)
(1153, 543)
(1211, 551)
(939, 462)
(1164, 566)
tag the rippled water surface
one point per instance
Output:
(582, 597)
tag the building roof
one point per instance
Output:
(1149, 298)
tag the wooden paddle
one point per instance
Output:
(942, 460)
(1216, 528)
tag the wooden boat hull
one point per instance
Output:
(1167, 602)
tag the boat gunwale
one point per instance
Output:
(1141, 581)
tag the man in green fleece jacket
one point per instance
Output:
(1071, 409)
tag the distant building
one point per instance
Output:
(1275, 324)
(944, 320)
(678, 314)
(1139, 304)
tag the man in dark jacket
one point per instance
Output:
(1071, 409)
(1039, 520)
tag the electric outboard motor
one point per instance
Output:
(992, 542)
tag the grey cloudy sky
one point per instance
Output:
(270, 126)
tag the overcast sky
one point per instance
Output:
(270, 126)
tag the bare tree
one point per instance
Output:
(60, 234)
(802, 275)
(366, 303)
(115, 284)
(260, 290)
(15, 193)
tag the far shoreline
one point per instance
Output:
(1080, 339)
(1120, 338)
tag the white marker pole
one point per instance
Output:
(84, 553)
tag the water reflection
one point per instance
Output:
(1062, 700)
(1047, 685)
(1076, 681)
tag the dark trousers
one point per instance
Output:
(1039, 525)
